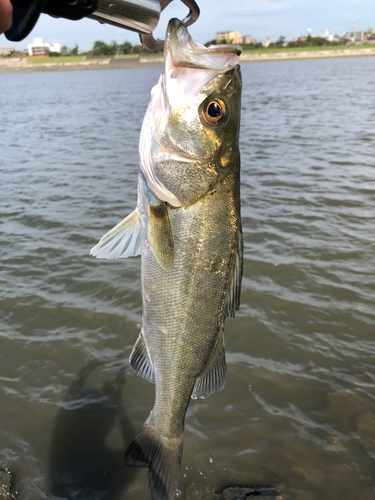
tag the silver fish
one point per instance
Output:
(187, 227)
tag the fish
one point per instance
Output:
(187, 229)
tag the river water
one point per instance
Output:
(298, 410)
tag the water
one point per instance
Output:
(298, 408)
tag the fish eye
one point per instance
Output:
(214, 112)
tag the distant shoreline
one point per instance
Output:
(311, 54)
(23, 65)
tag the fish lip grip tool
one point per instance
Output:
(149, 41)
(141, 16)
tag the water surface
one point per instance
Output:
(298, 408)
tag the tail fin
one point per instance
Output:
(161, 456)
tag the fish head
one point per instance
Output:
(189, 137)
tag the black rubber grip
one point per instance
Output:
(70, 9)
(26, 13)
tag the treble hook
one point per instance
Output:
(149, 42)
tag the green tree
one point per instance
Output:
(319, 41)
(126, 48)
(99, 47)
(74, 51)
(280, 41)
(140, 49)
(104, 49)
(113, 48)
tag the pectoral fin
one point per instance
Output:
(232, 300)
(124, 240)
(160, 235)
(140, 360)
(212, 380)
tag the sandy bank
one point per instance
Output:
(313, 54)
(23, 65)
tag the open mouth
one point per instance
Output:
(184, 52)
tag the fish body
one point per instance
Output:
(187, 227)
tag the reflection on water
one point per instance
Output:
(298, 410)
(82, 465)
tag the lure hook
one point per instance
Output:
(149, 42)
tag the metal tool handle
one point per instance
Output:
(141, 16)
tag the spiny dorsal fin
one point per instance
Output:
(160, 235)
(140, 360)
(232, 300)
(124, 240)
(212, 380)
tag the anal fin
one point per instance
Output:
(212, 379)
(140, 360)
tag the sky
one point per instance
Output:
(260, 18)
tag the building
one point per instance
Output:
(369, 35)
(5, 51)
(327, 36)
(354, 36)
(249, 39)
(229, 37)
(337, 39)
(41, 48)
(300, 39)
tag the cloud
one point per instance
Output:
(263, 8)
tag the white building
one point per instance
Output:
(4, 51)
(354, 36)
(40, 48)
(246, 39)
(327, 36)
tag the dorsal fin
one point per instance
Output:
(212, 379)
(124, 240)
(232, 300)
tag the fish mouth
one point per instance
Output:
(175, 36)
(181, 54)
(184, 52)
